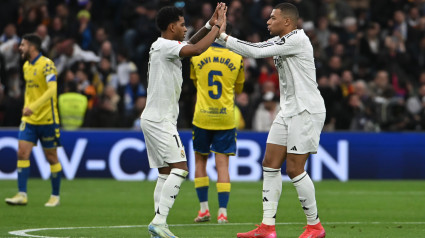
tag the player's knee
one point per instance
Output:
(223, 169)
(52, 157)
(23, 154)
(164, 170)
(200, 164)
(293, 171)
(290, 172)
(267, 162)
(180, 165)
(179, 172)
(52, 160)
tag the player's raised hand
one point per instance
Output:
(223, 26)
(221, 15)
(214, 17)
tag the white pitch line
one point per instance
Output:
(24, 232)
(405, 193)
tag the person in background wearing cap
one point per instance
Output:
(84, 29)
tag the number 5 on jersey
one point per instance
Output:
(212, 83)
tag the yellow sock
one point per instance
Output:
(54, 168)
(24, 163)
(202, 182)
(223, 187)
(223, 190)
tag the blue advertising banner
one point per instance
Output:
(122, 155)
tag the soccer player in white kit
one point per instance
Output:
(295, 132)
(159, 119)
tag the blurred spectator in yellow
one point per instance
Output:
(72, 107)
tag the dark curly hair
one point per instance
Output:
(166, 16)
(33, 39)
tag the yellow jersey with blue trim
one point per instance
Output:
(216, 72)
(38, 73)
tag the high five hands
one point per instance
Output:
(219, 17)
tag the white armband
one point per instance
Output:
(208, 26)
(223, 36)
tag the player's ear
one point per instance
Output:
(287, 21)
(172, 27)
(31, 47)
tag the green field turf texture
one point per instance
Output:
(123, 209)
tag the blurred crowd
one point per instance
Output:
(369, 55)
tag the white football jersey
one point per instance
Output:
(294, 61)
(164, 81)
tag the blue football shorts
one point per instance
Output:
(49, 135)
(217, 141)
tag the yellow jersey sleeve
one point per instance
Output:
(240, 80)
(38, 74)
(216, 72)
(193, 73)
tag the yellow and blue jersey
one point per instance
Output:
(37, 74)
(216, 72)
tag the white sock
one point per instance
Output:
(306, 195)
(169, 193)
(272, 188)
(223, 211)
(158, 188)
(204, 206)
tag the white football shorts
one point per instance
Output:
(299, 133)
(163, 143)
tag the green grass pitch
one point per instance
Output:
(109, 208)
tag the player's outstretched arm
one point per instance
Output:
(204, 30)
(258, 50)
(253, 50)
(205, 42)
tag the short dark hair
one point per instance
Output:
(288, 10)
(167, 15)
(33, 39)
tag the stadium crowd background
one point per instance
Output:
(370, 58)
